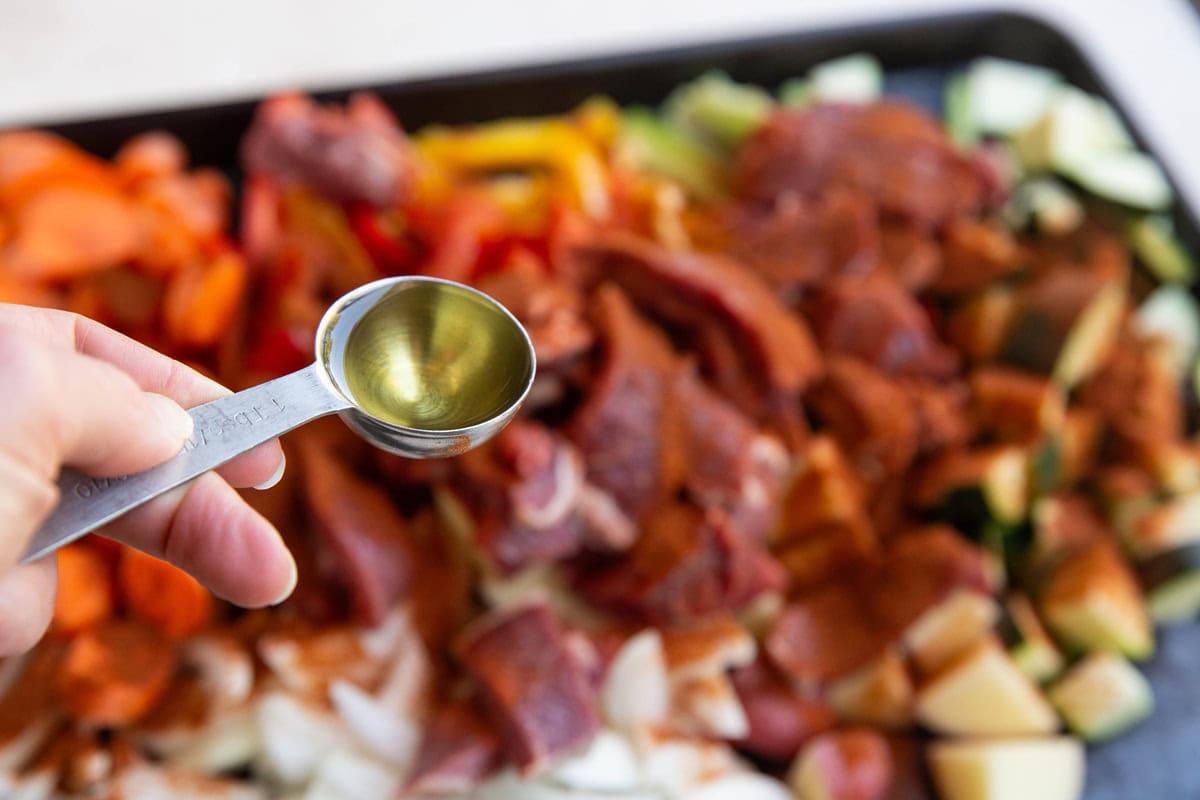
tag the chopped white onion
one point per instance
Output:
(379, 730)
(636, 691)
(295, 737)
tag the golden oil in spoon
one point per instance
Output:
(434, 357)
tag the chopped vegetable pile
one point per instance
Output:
(849, 427)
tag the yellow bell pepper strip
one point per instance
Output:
(599, 119)
(522, 144)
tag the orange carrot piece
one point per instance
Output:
(149, 155)
(107, 549)
(24, 153)
(198, 201)
(165, 246)
(27, 292)
(64, 231)
(84, 590)
(162, 595)
(122, 298)
(33, 160)
(114, 674)
(201, 302)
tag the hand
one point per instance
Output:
(75, 393)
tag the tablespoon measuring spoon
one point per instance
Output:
(419, 366)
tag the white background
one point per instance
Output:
(65, 59)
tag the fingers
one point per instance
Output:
(207, 529)
(151, 370)
(63, 407)
(26, 604)
(26, 497)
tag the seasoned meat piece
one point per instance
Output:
(876, 320)
(352, 155)
(869, 415)
(690, 290)
(823, 528)
(1136, 393)
(1010, 405)
(827, 551)
(363, 529)
(940, 410)
(825, 634)
(524, 491)
(458, 749)
(918, 570)
(729, 463)
(687, 562)
(833, 630)
(781, 718)
(889, 150)
(538, 692)
(976, 254)
(624, 426)
(910, 255)
(798, 244)
(551, 310)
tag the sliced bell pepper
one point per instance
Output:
(550, 144)
(384, 235)
(328, 239)
(457, 234)
(281, 349)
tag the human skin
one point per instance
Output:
(75, 393)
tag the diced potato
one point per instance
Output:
(1102, 696)
(949, 628)
(984, 693)
(1015, 769)
(880, 693)
(1092, 602)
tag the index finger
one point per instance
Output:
(151, 370)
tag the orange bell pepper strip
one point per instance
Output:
(162, 595)
(85, 591)
(202, 300)
(113, 675)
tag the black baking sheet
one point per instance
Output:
(1161, 759)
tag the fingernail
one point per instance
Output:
(292, 581)
(275, 478)
(171, 416)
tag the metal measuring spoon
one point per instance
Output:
(422, 367)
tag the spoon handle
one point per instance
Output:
(224, 429)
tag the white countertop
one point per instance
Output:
(69, 59)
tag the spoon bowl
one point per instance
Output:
(429, 367)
